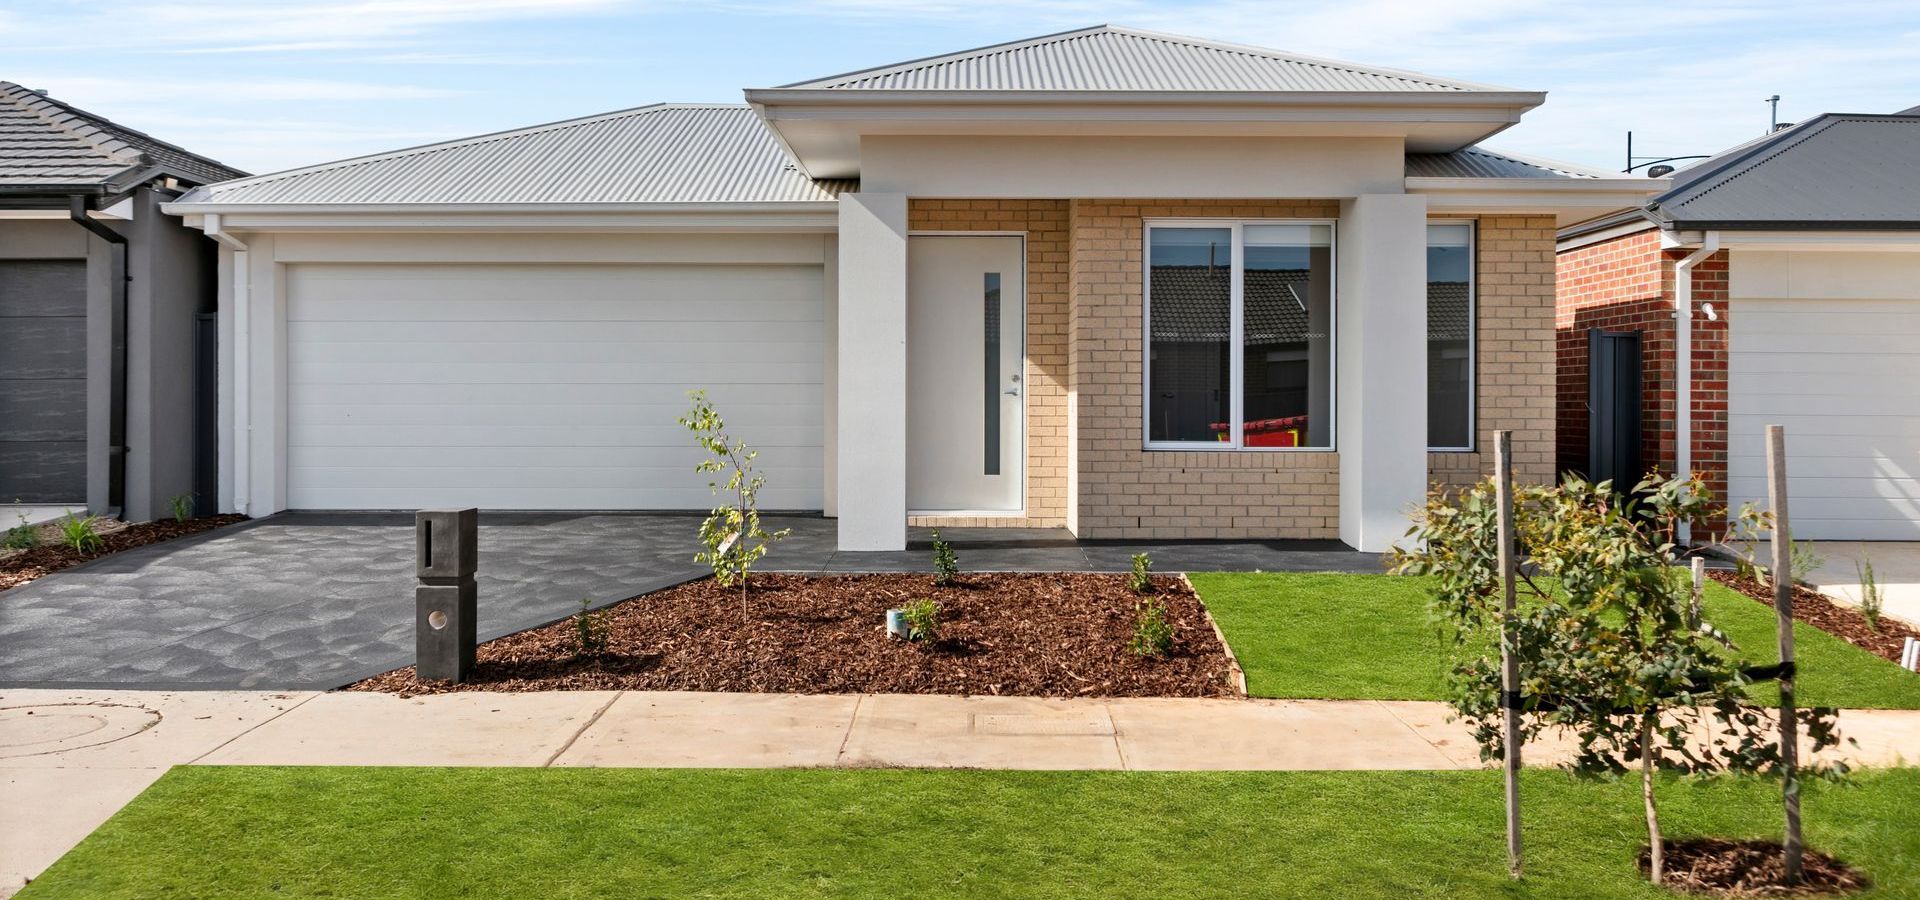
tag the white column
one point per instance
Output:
(1382, 369)
(871, 478)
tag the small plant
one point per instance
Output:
(22, 536)
(589, 631)
(1805, 560)
(80, 534)
(1152, 635)
(732, 533)
(1141, 578)
(1870, 593)
(182, 505)
(923, 621)
(946, 565)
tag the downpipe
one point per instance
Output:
(1683, 362)
(117, 380)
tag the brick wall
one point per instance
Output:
(1045, 378)
(1514, 364)
(1627, 284)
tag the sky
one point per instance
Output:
(273, 85)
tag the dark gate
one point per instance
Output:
(206, 413)
(1613, 407)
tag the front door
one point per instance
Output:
(966, 343)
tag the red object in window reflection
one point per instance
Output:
(1286, 432)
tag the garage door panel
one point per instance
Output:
(547, 387)
(1904, 430)
(1894, 364)
(1823, 342)
(1777, 318)
(1757, 402)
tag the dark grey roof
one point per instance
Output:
(1186, 305)
(666, 153)
(1838, 170)
(1481, 162)
(47, 145)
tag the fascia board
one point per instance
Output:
(772, 99)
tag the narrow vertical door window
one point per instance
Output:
(992, 380)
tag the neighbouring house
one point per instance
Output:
(1132, 284)
(106, 315)
(1784, 277)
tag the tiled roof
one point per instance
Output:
(50, 144)
(1187, 307)
(1109, 58)
(667, 153)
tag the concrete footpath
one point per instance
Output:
(70, 759)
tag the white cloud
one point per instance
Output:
(213, 26)
(96, 93)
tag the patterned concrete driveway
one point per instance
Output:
(312, 601)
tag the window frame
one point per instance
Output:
(1473, 335)
(1236, 350)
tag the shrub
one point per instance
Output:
(589, 631)
(946, 565)
(1804, 560)
(182, 505)
(1152, 635)
(81, 534)
(1140, 579)
(1870, 593)
(923, 621)
(732, 534)
(1602, 631)
(22, 536)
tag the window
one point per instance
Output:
(1240, 335)
(1450, 320)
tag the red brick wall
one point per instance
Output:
(1626, 284)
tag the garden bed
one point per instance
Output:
(17, 567)
(1752, 868)
(1049, 635)
(1819, 610)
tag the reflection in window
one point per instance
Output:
(992, 342)
(1450, 337)
(1287, 356)
(1190, 292)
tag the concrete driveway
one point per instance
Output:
(1896, 568)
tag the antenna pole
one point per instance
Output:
(1629, 167)
(1773, 117)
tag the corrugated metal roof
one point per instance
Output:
(1107, 58)
(1834, 171)
(1480, 162)
(47, 143)
(667, 153)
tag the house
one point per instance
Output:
(1133, 284)
(1784, 277)
(101, 306)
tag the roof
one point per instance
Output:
(665, 153)
(1481, 162)
(1837, 170)
(1109, 58)
(48, 145)
(1187, 305)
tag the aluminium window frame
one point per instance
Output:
(1473, 335)
(1236, 350)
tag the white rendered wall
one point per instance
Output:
(872, 403)
(1382, 369)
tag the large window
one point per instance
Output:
(1239, 335)
(1450, 336)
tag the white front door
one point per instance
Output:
(966, 345)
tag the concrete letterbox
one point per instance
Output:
(446, 600)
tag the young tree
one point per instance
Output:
(732, 534)
(1604, 632)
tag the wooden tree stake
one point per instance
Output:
(1783, 613)
(1509, 667)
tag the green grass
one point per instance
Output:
(1367, 637)
(373, 833)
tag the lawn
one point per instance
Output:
(369, 833)
(1368, 637)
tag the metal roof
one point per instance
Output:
(1480, 162)
(1837, 170)
(666, 153)
(1108, 58)
(46, 144)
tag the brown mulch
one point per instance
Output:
(19, 567)
(1749, 869)
(1819, 610)
(1051, 635)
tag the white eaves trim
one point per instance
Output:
(1823, 240)
(818, 216)
(841, 99)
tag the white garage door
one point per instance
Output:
(546, 386)
(1843, 377)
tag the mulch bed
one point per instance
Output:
(23, 566)
(1819, 610)
(1051, 635)
(1749, 869)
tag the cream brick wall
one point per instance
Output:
(1514, 343)
(1045, 224)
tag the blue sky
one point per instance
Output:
(272, 85)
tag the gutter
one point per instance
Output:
(240, 276)
(1683, 362)
(117, 380)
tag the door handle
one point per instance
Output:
(1014, 393)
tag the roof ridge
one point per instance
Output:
(473, 140)
(1304, 59)
(1786, 139)
(952, 54)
